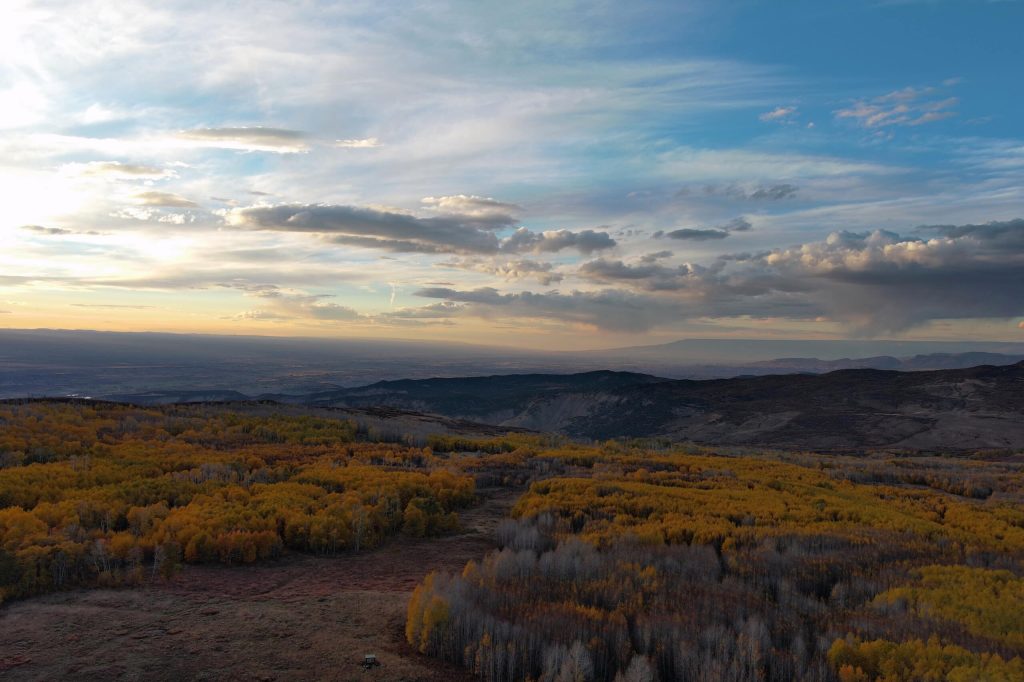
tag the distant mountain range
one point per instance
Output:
(745, 351)
(46, 362)
(915, 363)
(849, 409)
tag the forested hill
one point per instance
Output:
(494, 399)
(961, 409)
(980, 407)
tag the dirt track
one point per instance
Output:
(301, 618)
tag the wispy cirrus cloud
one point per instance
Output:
(757, 192)
(57, 231)
(358, 143)
(779, 115)
(906, 107)
(255, 138)
(119, 171)
(164, 199)
(610, 309)
(113, 306)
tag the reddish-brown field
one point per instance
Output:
(301, 618)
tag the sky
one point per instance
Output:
(547, 175)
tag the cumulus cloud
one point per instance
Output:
(463, 204)
(906, 107)
(164, 199)
(256, 138)
(472, 233)
(646, 275)
(882, 281)
(584, 241)
(153, 214)
(521, 268)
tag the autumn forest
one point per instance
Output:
(624, 560)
